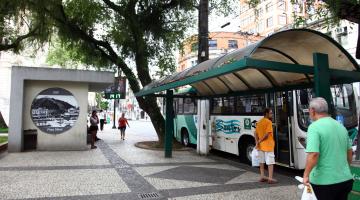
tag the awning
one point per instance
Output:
(282, 60)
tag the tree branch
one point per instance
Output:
(16, 43)
(99, 45)
(347, 10)
(113, 6)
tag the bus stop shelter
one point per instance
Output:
(287, 60)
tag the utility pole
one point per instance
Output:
(203, 36)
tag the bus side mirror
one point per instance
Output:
(304, 97)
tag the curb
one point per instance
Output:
(141, 146)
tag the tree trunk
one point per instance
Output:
(203, 37)
(2, 122)
(149, 105)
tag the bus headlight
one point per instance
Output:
(302, 141)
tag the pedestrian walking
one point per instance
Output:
(265, 144)
(122, 125)
(102, 119)
(329, 155)
(94, 121)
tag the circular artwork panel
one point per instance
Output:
(54, 110)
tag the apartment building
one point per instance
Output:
(269, 15)
(220, 43)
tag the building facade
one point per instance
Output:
(269, 15)
(220, 43)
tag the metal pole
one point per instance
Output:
(114, 126)
(169, 124)
(322, 79)
(116, 84)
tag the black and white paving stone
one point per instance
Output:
(119, 170)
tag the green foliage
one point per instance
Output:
(3, 139)
(104, 105)
(22, 24)
(74, 56)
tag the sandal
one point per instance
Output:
(272, 181)
(262, 180)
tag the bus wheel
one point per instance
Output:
(185, 138)
(245, 149)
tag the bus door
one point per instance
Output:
(283, 129)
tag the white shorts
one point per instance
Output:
(267, 157)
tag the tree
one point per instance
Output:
(129, 35)
(110, 33)
(330, 11)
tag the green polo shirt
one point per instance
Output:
(329, 138)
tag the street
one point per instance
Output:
(119, 170)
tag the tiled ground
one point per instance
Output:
(119, 170)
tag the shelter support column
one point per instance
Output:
(203, 127)
(169, 124)
(322, 78)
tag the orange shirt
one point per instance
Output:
(262, 127)
(122, 122)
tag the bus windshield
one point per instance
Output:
(343, 100)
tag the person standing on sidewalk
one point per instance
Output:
(122, 125)
(94, 121)
(265, 144)
(102, 120)
(329, 155)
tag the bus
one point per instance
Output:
(185, 119)
(233, 121)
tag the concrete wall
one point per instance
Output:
(74, 79)
(74, 138)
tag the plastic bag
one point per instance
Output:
(308, 192)
(255, 161)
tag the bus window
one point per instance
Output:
(180, 108)
(190, 106)
(216, 105)
(229, 105)
(344, 105)
(250, 105)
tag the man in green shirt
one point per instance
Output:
(329, 155)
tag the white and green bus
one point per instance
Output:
(185, 119)
(232, 121)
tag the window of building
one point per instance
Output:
(260, 12)
(212, 44)
(282, 19)
(261, 26)
(282, 5)
(269, 7)
(193, 63)
(194, 47)
(233, 44)
(269, 22)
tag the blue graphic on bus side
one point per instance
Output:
(227, 127)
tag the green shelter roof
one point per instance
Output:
(280, 60)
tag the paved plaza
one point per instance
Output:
(119, 170)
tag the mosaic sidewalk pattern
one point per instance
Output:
(125, 172)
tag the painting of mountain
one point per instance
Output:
(54, 110)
